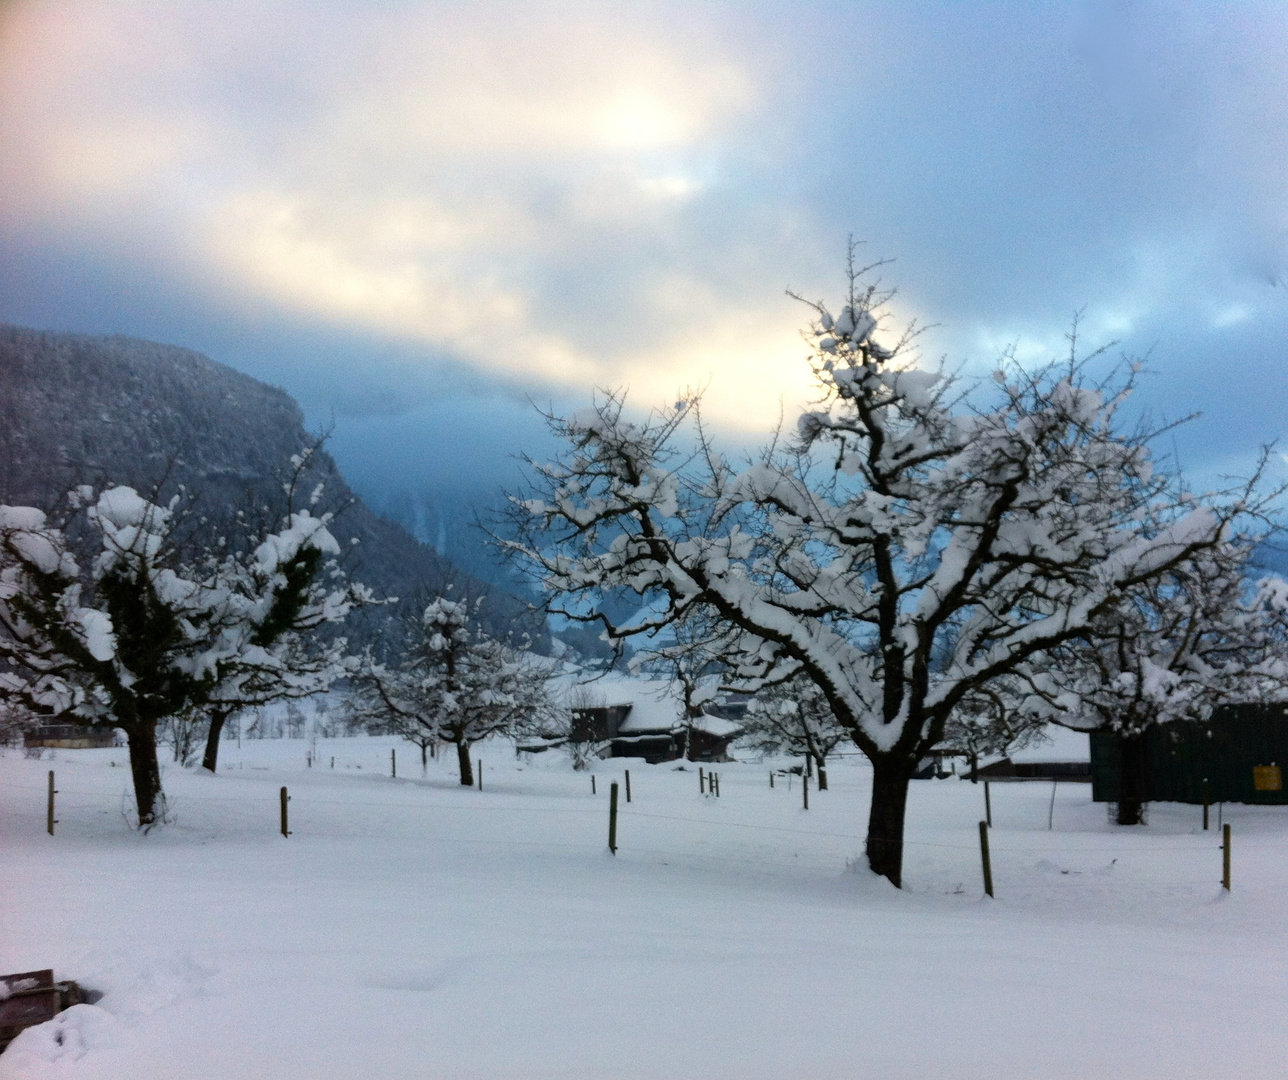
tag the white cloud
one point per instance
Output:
(444, 177)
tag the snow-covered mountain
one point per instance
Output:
(76, 409)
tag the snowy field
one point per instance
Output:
(411, 928)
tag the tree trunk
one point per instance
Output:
(467, 768)
(1131, 779)
(424, 756)
(142, 735)
(211, 758)
(822, 774)
(890, 781)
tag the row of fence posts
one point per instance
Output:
(393, 768)
(709, 782)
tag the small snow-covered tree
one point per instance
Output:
(455, 684)
(1175, 648)
(141, 635)
(995, 719)
(916, 541)
(795, 718)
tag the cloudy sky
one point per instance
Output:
(418, 216)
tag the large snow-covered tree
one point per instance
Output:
(455, 683)
(915, 541)
(142, 634)
(1176, 647)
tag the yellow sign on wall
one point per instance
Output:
(1267, 778)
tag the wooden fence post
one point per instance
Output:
(480, 764)
(1051, 811)
(50, 820)
(592, 784)
(702, 783)
(716, 777)
(983, 853)
(612, 817)
(988, 806)
(1207, 801)
(393, 763)
(285, 799)
(628, 785)
(771, 779)
(805, 788)
(1225, 858)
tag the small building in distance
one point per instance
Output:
(70, 737)
(1060, 754)
(638, 717)
(1241, 753)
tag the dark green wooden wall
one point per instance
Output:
(1179, 756)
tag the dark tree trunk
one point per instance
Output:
(142, 736)
(424, 756)
(822, 775)
(467, 767)
(1131, 779)
(974, 768)
(890, 781)
(211, 759)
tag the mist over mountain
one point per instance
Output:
(76, 409)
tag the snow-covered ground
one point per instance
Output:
(411, 928)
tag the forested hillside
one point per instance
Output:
(77, 410)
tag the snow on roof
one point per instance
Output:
(717, 726)
(652, 714)
(656, 704)
(1058, 744)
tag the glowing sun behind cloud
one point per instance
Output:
(522, 193)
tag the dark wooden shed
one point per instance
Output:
(70, 736)
(1241, 752)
